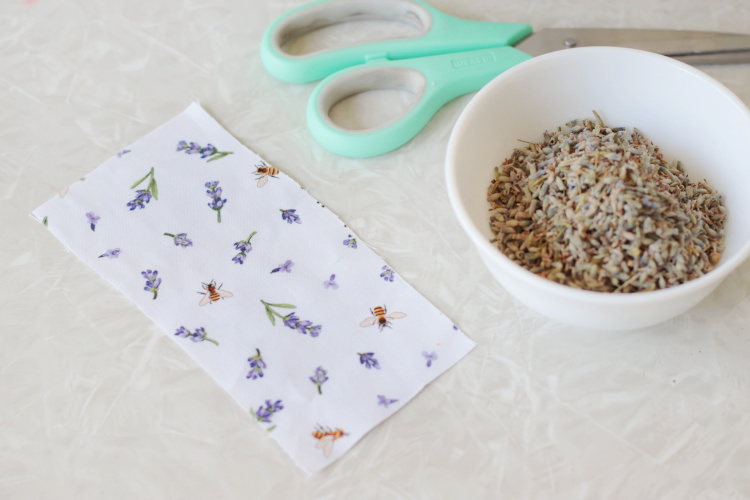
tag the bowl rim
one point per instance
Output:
(708, 281)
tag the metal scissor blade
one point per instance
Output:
(692, 47)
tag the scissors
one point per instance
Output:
(449, 57)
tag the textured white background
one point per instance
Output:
(95, 402)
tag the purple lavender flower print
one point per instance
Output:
(111, 254)
(143, 196)
(302, 326)
(384, 401)
(191, 149)
(331, 283)
(351, 242)
(257, 365)
(93, 219)
(180, 240)
(286, 266)
(368, 359)
(198, 335)
(152, 282)
(429, 357)
(291, 320)
(319, 378)
(209, 151)
(216, 203)
(244, 246)
(264, 413)
(123, 152)
(290, 216)
(387, 273)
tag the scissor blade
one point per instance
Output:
(693, 47)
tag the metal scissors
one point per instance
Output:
(448, 57)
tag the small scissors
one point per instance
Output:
(448, 57)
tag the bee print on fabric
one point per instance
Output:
(381, 318)
(264, 172)
(326, 437)
(213, 293)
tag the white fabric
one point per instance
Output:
(223, 278)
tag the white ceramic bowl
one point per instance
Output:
(686, 113)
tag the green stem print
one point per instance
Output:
(143, 196)
(209, 151)
(243, 246)
(291, 320)
(273, 314)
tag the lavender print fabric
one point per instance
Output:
(318, 343)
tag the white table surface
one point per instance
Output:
(96, 402)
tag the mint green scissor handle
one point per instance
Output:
(449, 57)
(433, 80)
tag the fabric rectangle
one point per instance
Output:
(266, 289)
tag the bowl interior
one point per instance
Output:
(688, 115)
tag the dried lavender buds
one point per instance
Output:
(599, 208)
